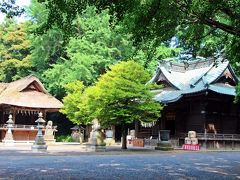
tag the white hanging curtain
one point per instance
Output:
(147, 125)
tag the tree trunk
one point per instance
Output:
(124, 136)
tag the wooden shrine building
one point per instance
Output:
(197, 96)
(24, 99)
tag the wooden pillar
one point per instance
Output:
(136, 128)
(203, 116)
(3, 116)
(44, 114)
(32, 120)
(14, 115)
(114, 131)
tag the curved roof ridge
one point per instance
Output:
(170, 79)
(216, 71)
(233, 73)
(194, 81)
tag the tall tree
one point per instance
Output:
(75, 106)
(15, 58)
(48, 47)
(120, 96)
(94, 47)
(156, 15)
(159, 20)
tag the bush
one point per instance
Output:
(64, 138)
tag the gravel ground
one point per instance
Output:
(20, 163)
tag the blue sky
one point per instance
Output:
(21, 3)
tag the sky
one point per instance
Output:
(21, 3)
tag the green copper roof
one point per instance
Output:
(199, 76)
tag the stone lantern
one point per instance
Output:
(39, 144)
(9, 136)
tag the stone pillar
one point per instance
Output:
(8, 139)
(39, 144)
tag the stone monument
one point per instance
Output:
(39, 145)
(96, 140)
(8, 139)
(49, 133)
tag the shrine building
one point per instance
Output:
(199, 96)
(24, 99)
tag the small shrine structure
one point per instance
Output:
(24, 99)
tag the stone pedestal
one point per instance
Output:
(109, 138)
(49, 139)
(164, 146)
(8, 138)
(109, 141)
(39, 144)
(39, 148)
(96, 148)
(97, 138)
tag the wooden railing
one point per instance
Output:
(212, 136)
(22, 126)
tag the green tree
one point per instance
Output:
(154, 16)
(94, 47)
(73, 103)
(15, 58)
(47, 47)
(202, 26)
(121, 96)
(149, 56)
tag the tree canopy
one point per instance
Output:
(15, 57)
(94, 47)
(120, 96)
(156, 15)
(201, 26)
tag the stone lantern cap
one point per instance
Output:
(76, 127)
(40, 118)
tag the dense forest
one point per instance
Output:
(67, 41)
